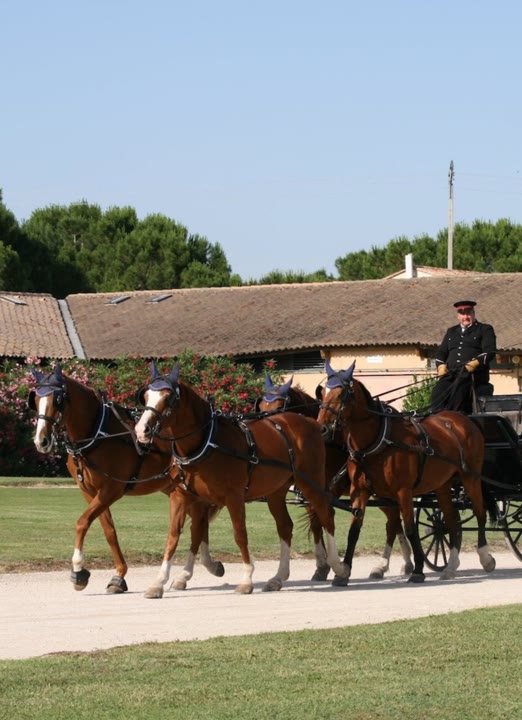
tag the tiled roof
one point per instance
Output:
(266, 319)
(424, 270)
(258, 319)
(32, 325)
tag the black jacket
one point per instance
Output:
(478, 342)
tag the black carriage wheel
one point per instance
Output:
(512, 525)
(434, 537)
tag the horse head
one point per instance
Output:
(335, 398)
(48, 401)
(275, 397)
(158, 398)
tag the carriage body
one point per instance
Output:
(500, 419)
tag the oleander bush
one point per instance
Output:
(234, 386)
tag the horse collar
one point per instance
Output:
(380, 443)
(207, 445)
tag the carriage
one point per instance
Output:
(500, 419)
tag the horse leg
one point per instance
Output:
(321, 564)
(474, 491)
(277, 506)
(393, 530)
(236, 509)
(177, 513)
(79, 574)
(451, 520)
(215, 567)
(406, 505)
(323, 510)
(199, 514)
(358, 507)
(117, 583)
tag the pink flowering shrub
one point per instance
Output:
(234, 387)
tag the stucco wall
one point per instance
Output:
(385, 372)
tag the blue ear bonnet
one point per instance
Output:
(48, 384)
(164, 383)
(272, 392)
(160, 384)
(338, 378)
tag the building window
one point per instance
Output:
(290, 362)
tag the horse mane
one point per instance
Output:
(368, 397)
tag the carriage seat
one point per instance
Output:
(508, 405)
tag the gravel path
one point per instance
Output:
(41, 613)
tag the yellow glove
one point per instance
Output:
(472, 365)
(442, 370)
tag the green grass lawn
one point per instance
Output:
(465, 666)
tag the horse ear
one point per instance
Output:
(347, 375)
(174, 374)
(58, 372)
(154, 370)
(268, 383)
(329, 369)
(286, 387)
(38, 376)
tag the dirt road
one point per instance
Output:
(41, 613)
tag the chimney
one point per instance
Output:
(410, 269)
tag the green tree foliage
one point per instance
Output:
(88, 250)
(482, 247)
(418, 396)
(280, 277)
(13, 274)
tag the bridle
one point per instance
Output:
(347, 395)
(172, 397)
(59, 398)
(170, 400)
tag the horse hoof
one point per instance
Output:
(179, 585)
(154, 593)
(448, 575)
(339, 581)
(321, 573)
(491, 565)
(116, 586)
(244, 589)
(219, 569)
(80, 579)
(377, 574)
(407, 568)
(416, 578)
(273, 585)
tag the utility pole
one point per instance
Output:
(451, 174)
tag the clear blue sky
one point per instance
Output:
(289, 132)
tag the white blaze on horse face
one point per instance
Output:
(43, 438)
(148, 417)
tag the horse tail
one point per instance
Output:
(490, 502)
(213, 512)
(306, 520)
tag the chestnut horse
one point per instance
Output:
(228, 461)
(106, 464)
(398, 457)
(284, 397)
